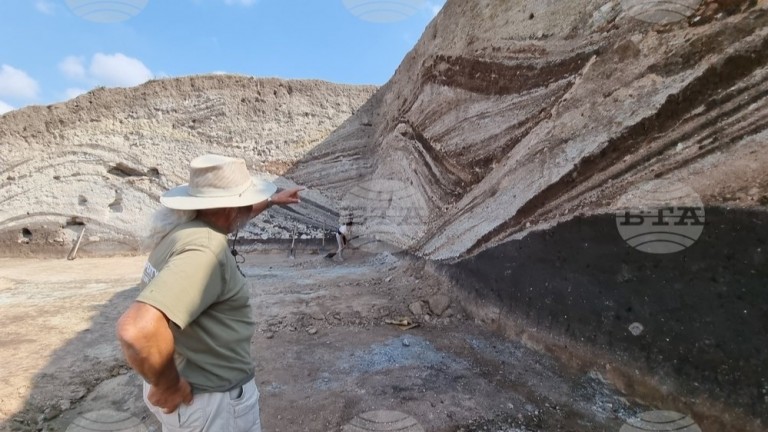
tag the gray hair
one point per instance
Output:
(163, 221)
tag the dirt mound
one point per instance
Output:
(102, 159)
(512, 116)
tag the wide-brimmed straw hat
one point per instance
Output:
(218, 182)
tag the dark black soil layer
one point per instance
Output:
(704, 310)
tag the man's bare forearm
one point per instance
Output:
(148, 346)
(157, 368)
(258, 208)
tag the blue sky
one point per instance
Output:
(53, 50)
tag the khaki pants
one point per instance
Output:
(235, 411)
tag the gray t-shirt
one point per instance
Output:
(192, 277)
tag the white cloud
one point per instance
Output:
(44, 6)
(4, 108)
(118, 70)
(16, 84)
(73, 67)
(74, 92)
(109, 70)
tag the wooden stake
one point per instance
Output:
(293, 241)
(73, 253)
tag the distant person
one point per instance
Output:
(189, 332)
(343, 234)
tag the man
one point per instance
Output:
(342, 238)
(188, 334)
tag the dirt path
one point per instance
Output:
(323, 352)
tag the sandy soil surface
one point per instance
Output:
(323, 351)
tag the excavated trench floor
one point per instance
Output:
(324, 353)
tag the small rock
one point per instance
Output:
(78, 393)
(312, 330)
(636, 328)
(65, 404)
(269, 335)
(439, 303)
(381, 312)
(51, 413)
(388, 279)
(406, 343)
(404, 130)
(416, 308)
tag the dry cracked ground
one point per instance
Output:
(324, 350)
